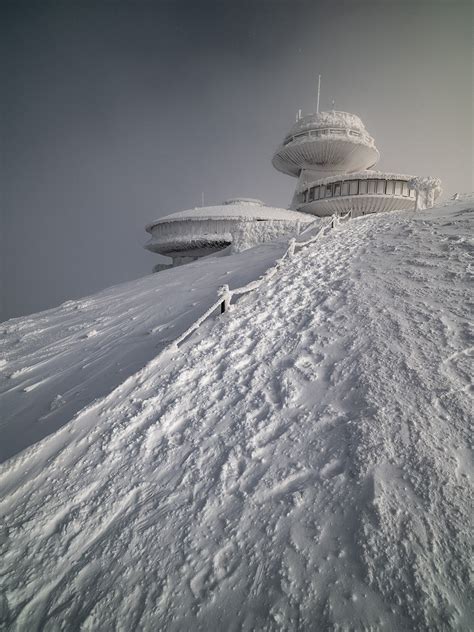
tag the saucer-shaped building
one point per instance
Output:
(241, 223)
(361, 192)
(333, 155)
(324, 144)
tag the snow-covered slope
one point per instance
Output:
(301, 464)
(56, 362)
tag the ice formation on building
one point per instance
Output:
(332, 156)
(238, 223)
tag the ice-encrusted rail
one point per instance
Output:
(225, 293)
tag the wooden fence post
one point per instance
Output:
(226, 295)
(291, 247)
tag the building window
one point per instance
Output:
(405, 189)
(398, 187)
(390, 187)
(381, 187)
(337, 189)
(322, 192)
(362, 187)
(305, 197)
(353, 187)
(412, 193)
(311, 194)
(316, 193)
(329, 190)
(345, 188)
(371, 186)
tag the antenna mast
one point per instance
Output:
(319, 92)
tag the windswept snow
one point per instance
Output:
(83, 349)
(303, 463)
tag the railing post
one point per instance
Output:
(291, 247)
(226, 295)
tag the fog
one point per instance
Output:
(115, 113)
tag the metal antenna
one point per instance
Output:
(319, 92)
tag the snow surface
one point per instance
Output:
(56, 362)
(302, 463)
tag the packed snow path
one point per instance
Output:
(301, 464)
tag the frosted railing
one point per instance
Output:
(225, 293)
(327, 132)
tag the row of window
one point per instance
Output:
(322, 132)
(358, 187)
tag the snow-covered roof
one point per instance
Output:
(237, 208)
(334, 118)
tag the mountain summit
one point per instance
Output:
(301, 463)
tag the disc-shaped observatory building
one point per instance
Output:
(239, 223)
(333, 156)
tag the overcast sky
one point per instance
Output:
(115, 113)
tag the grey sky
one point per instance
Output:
(115, 113)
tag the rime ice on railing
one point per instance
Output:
(225, 293)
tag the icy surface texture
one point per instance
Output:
(241, 210)
(303, 463)
(428, 189)
(333, 118)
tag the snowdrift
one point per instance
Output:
(301, 464)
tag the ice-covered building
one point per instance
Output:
(333, 155)
(240, 223)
